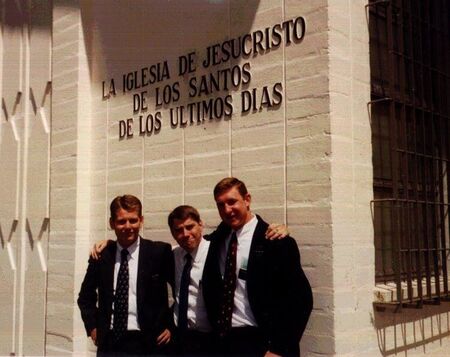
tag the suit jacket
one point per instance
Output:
(279, 293)
(155, 270)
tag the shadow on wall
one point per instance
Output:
(16, 11)
(411, 328)
(121, 38)
(12, 14)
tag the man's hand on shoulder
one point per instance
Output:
(96, 250)
(276, 231)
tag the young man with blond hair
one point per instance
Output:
(123, 298)
(256, 294)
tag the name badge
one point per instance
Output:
(242, 274)
(244, 263)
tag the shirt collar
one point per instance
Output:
(132, 249)
(246, 228)
(196, 253)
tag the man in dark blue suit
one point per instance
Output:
(256, 294)
(123, 298)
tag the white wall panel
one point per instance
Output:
(37, 179)
(24, 182)
(11, 124)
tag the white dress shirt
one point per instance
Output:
(133, 260)
(242, 313)
(196, 314)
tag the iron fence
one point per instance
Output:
(410, 86)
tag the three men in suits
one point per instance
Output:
(257, 296)
(249, 292)
(123, 298)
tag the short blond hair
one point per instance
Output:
(227, 183)
(127, 202)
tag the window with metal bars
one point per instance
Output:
(410, 90)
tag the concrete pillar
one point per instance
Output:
(351, 178)
(70, 178)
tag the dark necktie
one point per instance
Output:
(184, 293)
(229, 285)
(120, 322)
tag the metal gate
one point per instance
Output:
(410, 86)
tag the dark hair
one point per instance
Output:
(126, 202)
(182, 213)
(227, 183)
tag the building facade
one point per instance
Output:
(334, 113)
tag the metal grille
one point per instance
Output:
(410, 86)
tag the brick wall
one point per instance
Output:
(70, 181)
(306, 163)
(351, 178)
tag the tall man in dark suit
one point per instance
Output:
(256, 294)
(123, 298)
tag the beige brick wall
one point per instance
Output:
(70, 178)
(283, 155)
(307, 163)
(351, 178)
(308, 147)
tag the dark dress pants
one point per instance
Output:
(195, 343)
(243, 341)
(132, 343)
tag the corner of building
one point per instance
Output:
(351, 179)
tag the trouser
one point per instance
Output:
(195, 343)
(243, 341)
(132, 343)
(248, 342)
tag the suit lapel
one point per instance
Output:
(110, 260)
(144, 265)
(256, 251)
(217, 238)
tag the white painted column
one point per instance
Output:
(70, 198)
(351, 179)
